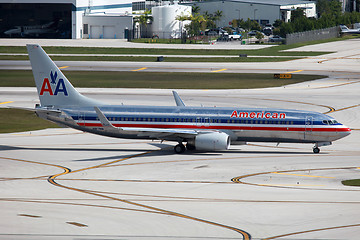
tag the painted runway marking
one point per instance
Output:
(6, 102)
(220, 70)
(290, 185)
(51, 179)
(295, 71)
(240, 178)
(140, 69)
(301, 175)
(63, 67)
(314, 230)
(345, 108)
(338, 85)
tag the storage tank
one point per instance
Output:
(164, 24)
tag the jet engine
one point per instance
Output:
(212, 141)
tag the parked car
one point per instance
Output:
(252, 33)
(211, 33)
(235, 37)
(267, 31)
(276, 38)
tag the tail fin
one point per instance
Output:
(53, 88)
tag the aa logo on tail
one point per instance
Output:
(48, 86)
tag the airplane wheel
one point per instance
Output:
(180, 148)
(316, 150)
(190, 147)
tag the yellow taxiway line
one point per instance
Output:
(6, 102)
(313, 230)
(295, 71)
(220, 70)
(139, 69)
(301, 175)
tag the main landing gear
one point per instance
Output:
(180, 148)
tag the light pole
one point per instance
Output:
(255, 12)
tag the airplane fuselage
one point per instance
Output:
(242, 125)
(201, 128)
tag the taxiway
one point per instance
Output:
(62, 183)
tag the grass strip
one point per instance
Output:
(167, 80)
(16, 120)
(276, 50)
(353, 182)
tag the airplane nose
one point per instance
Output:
(344, 131)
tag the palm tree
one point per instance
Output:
(195, 9)
(217, 15)
(144, 19)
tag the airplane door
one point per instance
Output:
(308, 126)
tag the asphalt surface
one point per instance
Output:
(62, 183)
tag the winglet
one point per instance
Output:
(178, 100)
(104, 121)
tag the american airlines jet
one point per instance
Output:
(201, 128)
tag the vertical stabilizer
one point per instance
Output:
(53, 87)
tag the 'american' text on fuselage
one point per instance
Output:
(266, 115)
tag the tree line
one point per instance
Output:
(329, 15)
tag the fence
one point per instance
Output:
(313, 35)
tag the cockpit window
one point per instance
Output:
(330, 122)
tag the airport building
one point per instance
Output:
(114, 18)
(263, 11)
(65, 18)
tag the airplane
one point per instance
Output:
(201, 128)
(34, 30)
(345, 29)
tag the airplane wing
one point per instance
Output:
(159, 133)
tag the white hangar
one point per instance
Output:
(263, 11)
(65, 18)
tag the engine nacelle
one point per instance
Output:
(212, 141)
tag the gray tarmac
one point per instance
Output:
(66, 184)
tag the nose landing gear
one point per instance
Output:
(316, 148)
